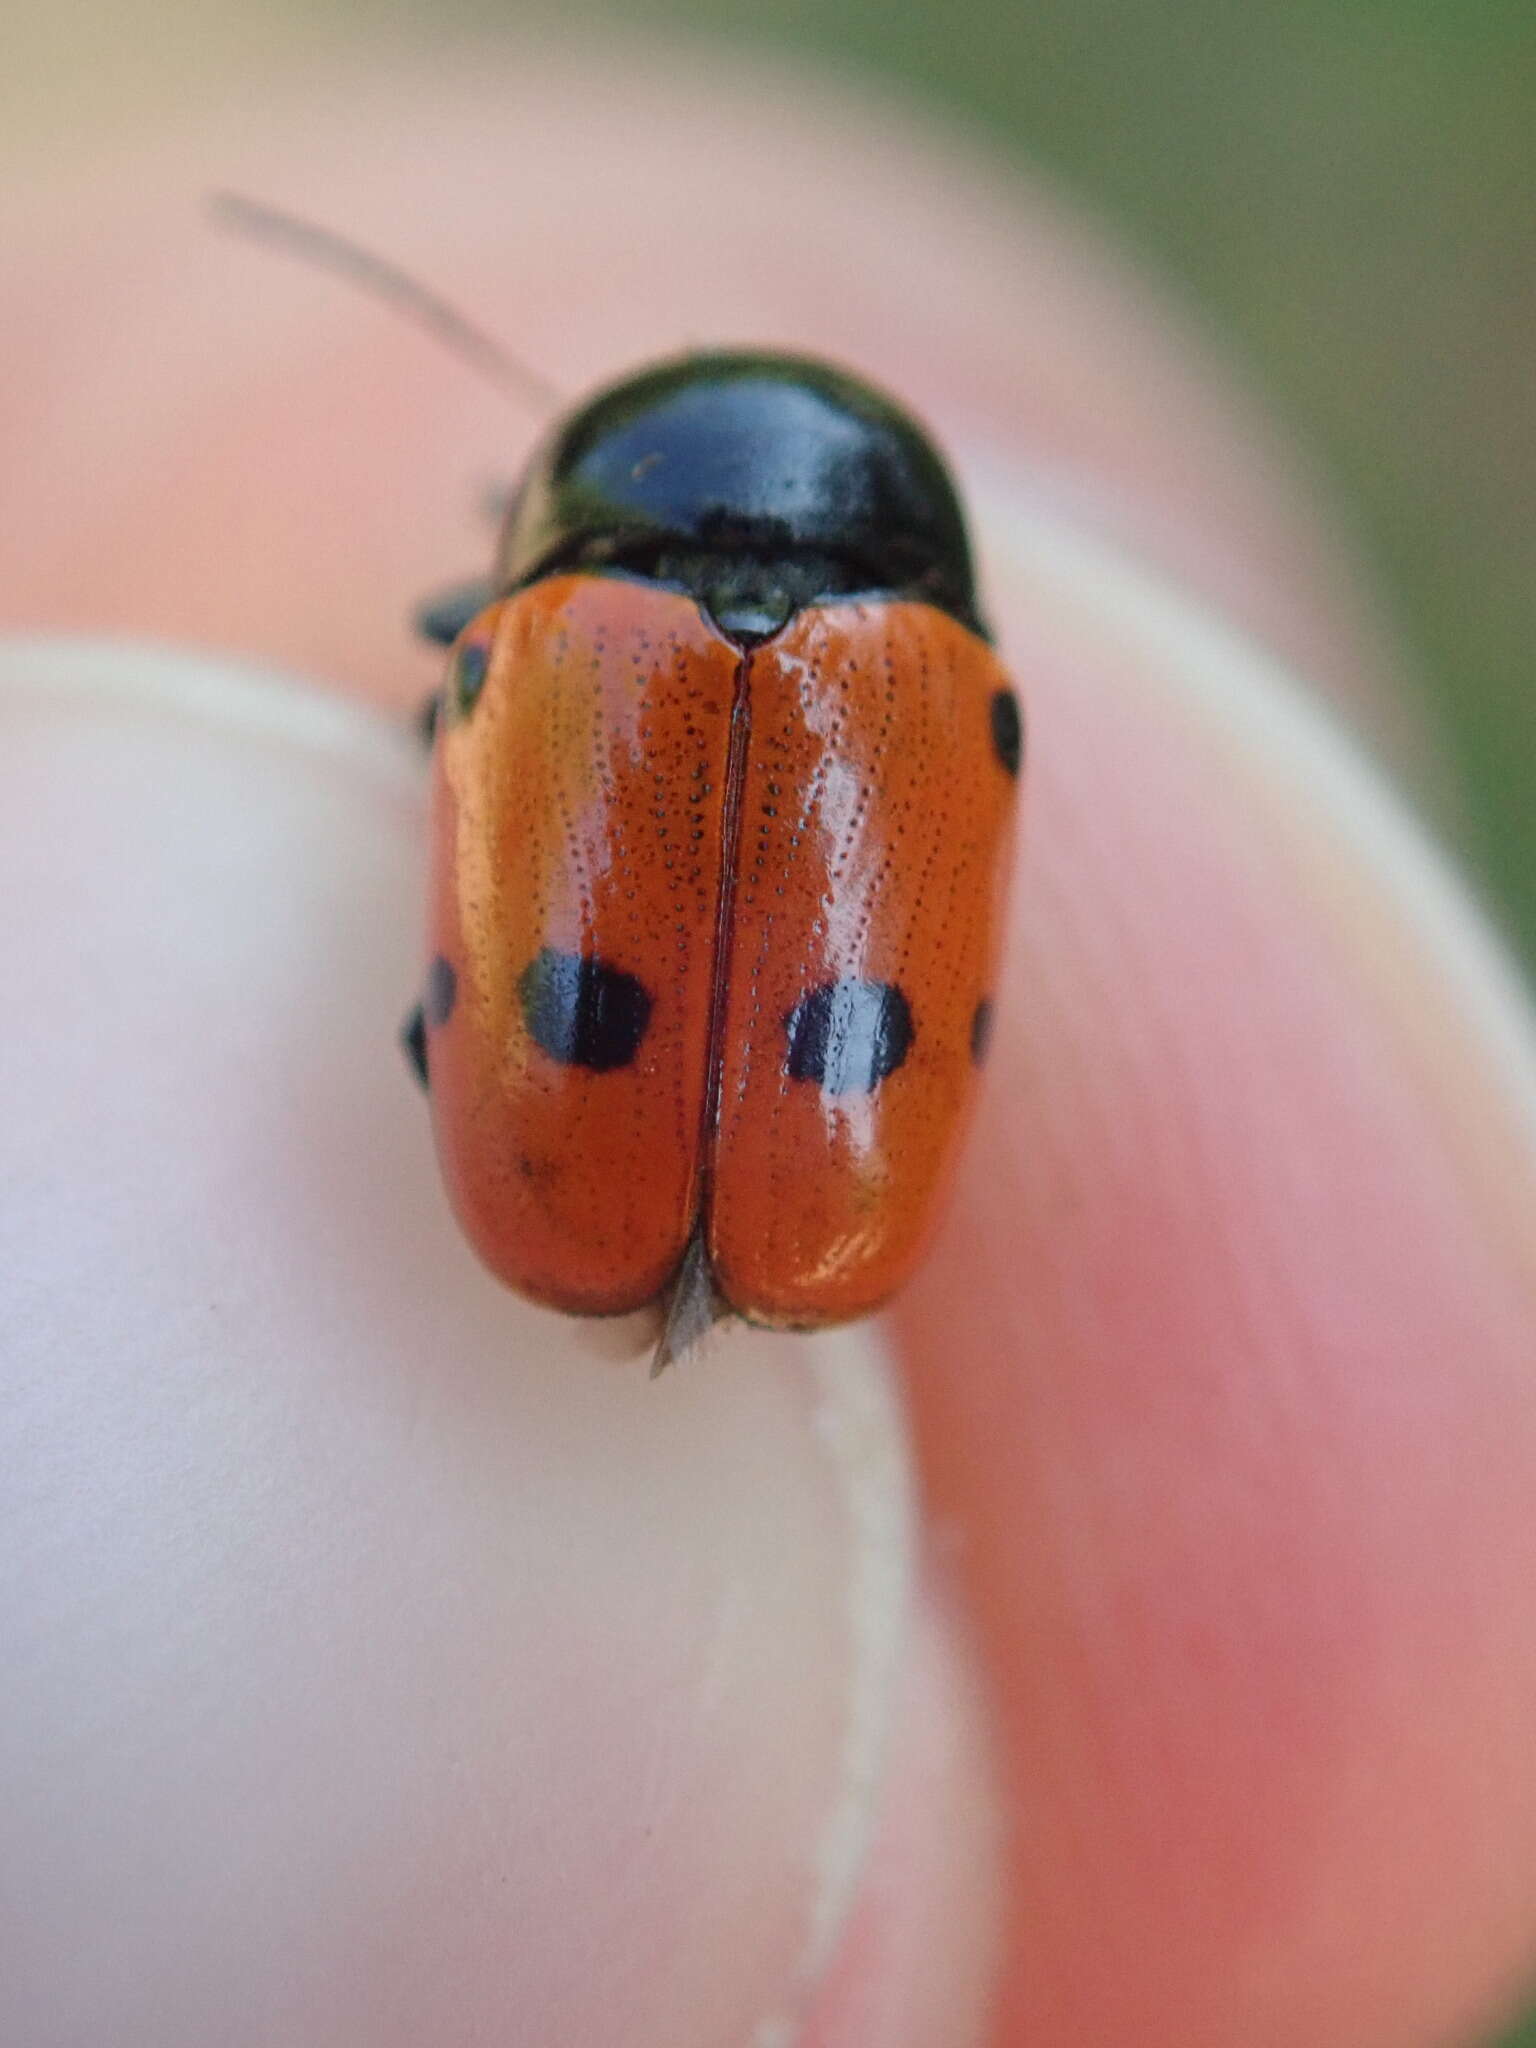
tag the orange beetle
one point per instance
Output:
(723, 802)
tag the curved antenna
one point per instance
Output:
(390, 285)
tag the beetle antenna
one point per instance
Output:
(390, 285)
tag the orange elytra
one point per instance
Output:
(724, 784)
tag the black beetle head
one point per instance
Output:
(758, 482)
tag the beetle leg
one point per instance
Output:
(442, 619)
(496, 502)
(425, 722)
(413, 1038)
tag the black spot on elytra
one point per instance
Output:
(1007, 729)
(471, 665)
(848, 1035)
(442, 989)
(583, 1012)
(981, 1029)
(413, 1038)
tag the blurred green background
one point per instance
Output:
(1347, 188)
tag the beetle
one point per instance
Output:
(723, 798)
(724, 781)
